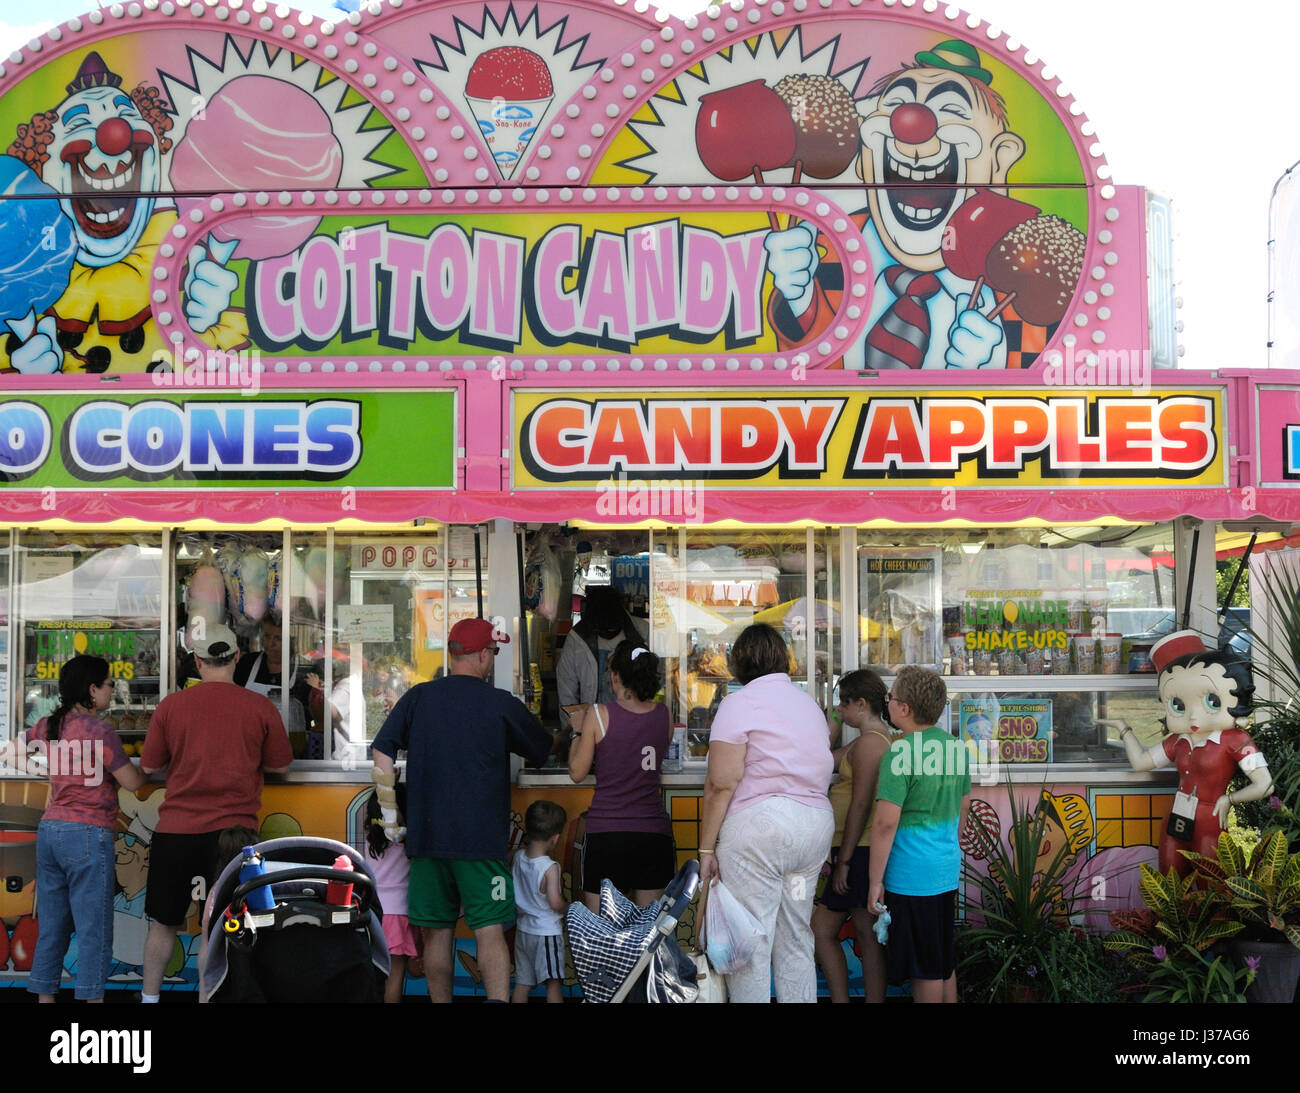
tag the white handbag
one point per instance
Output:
(712, 984)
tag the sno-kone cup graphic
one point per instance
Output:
(509, 90)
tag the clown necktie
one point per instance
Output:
(901, 335)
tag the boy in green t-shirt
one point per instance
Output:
(922, 797)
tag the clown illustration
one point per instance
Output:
(1207, 696)
(103, 149)
(935, 149)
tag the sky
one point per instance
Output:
(1188, 105)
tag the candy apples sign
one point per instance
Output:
(844, 438)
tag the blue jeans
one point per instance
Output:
(74, 891)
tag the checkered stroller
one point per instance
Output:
(628, 953)
(302, 949)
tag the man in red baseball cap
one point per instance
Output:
(458, 733)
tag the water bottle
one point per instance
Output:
(259, 899)
(676, 751)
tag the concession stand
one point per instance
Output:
(825, 314)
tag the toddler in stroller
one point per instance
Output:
(302, 931)
(628, 953)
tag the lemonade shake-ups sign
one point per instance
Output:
(58, 641)
(997, 622)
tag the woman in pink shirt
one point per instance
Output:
(74, 842)
(767, 822)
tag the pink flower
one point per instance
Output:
(1159, 952)
(1252, 962)
(1275, 802)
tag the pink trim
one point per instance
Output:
(842, 332)
(386, 79)
(830, 507)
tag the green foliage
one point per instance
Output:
(1223, 578)
(1058, 964)
(1262, 886)
(1020, 945)
(1181, 916)
(1188, 975)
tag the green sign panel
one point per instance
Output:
(281, 439)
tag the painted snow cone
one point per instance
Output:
(509, 90)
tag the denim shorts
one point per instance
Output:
(74, 893)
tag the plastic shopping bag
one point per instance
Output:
(731, 934)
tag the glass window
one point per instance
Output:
(1041, 632)
(704, 594)
(395, 600)
(97, 594)
(235, 579)
(1019, 602)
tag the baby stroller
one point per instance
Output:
(628, 953)
(303, 948)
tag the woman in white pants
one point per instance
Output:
(767, 823)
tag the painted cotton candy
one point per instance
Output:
(37, 243)
(259, 133)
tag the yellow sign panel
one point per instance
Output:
(771, 439)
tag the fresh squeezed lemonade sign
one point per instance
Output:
(839, 438)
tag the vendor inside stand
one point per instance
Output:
(260, 670)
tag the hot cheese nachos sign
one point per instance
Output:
(774, 438)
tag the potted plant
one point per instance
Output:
(1171, 939)
(1262, 887)
(1018, 945)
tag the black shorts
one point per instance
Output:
(920, 936)
(859, 882)
(177, 864)
(632, 860)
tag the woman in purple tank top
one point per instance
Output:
(629, 834)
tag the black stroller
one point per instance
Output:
(302, 948)
(628, 953)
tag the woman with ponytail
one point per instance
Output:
(74, 842)
(629, 834)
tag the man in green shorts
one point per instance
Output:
(458, 733)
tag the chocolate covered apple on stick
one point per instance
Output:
(1038, 265)
(1033, 259)
(826, 121)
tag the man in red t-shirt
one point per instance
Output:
(215, 740)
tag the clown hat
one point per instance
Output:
(93, 73)
(956, 56)
(1178, 644)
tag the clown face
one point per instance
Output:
(930, 125)
(1197, 698)
(103, 149)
